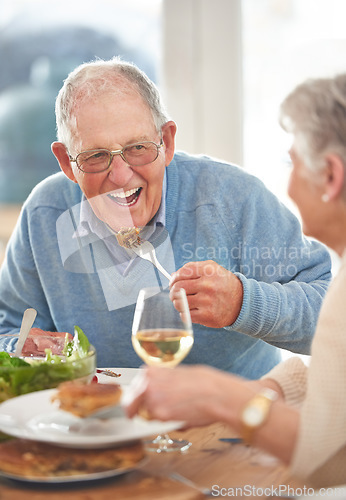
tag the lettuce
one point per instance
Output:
(20, 377)
(79, 346)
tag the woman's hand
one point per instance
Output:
(197, 395)
(200, 395)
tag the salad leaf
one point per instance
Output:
(79, 346)
(5, 389)
(83, 340)
(7, 360)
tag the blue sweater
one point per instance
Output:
(213, 211)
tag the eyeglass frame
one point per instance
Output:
(116, 152)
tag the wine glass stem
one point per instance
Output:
(163, 441)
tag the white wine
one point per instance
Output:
(162, 346)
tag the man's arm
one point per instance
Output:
(20, 284)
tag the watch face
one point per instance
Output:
(252, 416)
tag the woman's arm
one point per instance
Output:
(201, 395)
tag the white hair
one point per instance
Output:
(315, 113)
(92, 78)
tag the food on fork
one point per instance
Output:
(128, 237)
(32, 459)
(84, 399)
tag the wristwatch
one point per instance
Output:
(255, 412)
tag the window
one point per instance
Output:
(40, 43)
(284, 43)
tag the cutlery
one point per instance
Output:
(27, 322)
(129, 238)
(109, 373)
(145, 250)
(175, 476)
(231, 440)
(112, 411)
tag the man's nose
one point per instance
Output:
(120, 172)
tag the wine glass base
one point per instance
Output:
(164, 444)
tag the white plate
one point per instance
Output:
(34, 416)
(88, 476)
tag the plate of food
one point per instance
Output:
(39, 416)
(36, 462)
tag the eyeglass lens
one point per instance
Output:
(136, 155)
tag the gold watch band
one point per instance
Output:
(256, 412)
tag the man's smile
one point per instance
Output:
(126, 198)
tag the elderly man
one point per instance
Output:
(253, 282)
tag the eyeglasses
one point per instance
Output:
(99, 160)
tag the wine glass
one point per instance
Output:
(162, 336)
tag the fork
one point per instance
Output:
(130, 238)
(112, 411)
(175, 476)
(145, 250)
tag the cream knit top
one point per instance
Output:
(320, 391)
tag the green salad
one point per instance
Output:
(17, 376)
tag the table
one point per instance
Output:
(226, 469)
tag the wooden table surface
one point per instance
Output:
(226, 469)
(221, 467)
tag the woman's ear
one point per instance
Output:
(60, 153)
(168, 134)
(334, 177)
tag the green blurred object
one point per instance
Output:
(23, 375)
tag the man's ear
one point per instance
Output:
(334, 176)
(168, 134)
(60, 153)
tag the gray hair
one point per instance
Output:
(315, 113)
(92, 78)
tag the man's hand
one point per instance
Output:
(214, 294)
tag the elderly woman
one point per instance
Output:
(296, 413)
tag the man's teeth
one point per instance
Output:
(124, 194)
